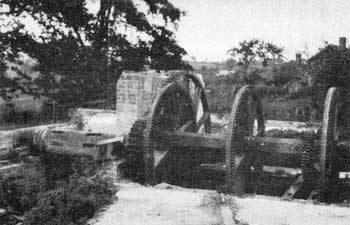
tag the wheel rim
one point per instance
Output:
(329, 138)
(197, 92)
(245, 110)
(171, 109)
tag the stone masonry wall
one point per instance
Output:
(136, 90)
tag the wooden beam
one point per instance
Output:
(277, 145)
(108, 141)
(294, 188)
(217, 141)
(221, 166)
(197, 140)
(281, 171)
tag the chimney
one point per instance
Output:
(342, 43)
(298, 58)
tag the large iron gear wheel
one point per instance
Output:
(171, 109)
(246, 110)
(134, 151)
(329, 139)
(198, 96)
(136, 135)
(307, 157)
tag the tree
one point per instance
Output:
(330, 67)
(255, 51)
(230, 64)
(287, 72)
(80, 52)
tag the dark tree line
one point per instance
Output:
(78, 52)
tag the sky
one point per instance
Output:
(212, 27)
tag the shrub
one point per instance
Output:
(71, 203)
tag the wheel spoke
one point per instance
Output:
(202, 120)
(197, 98)
(159, 155)
(175, 109)
(184, 127)
(241, 122)
(176, 112)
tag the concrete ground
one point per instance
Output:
(171, 205)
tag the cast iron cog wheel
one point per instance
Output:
(171, 110)
(246, 110)
(198, 96)
(134, 152)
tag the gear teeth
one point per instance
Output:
(308, 153)
(134, 150)
(179, 78)
(136, 134)
(237, 129)
(155, 128)
(327, 159)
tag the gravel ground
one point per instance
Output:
(171, 205)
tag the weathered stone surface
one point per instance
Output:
(170, 205)
(136, 90)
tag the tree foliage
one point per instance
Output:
(330, 67)
(255, 50)
(78, 51)
(230, 64)
(288, 72)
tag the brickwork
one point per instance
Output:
(136, 90)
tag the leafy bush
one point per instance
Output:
(287, 72)
(329, 68)
(71, 203)
(282, 108)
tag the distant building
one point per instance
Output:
(222, 73)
